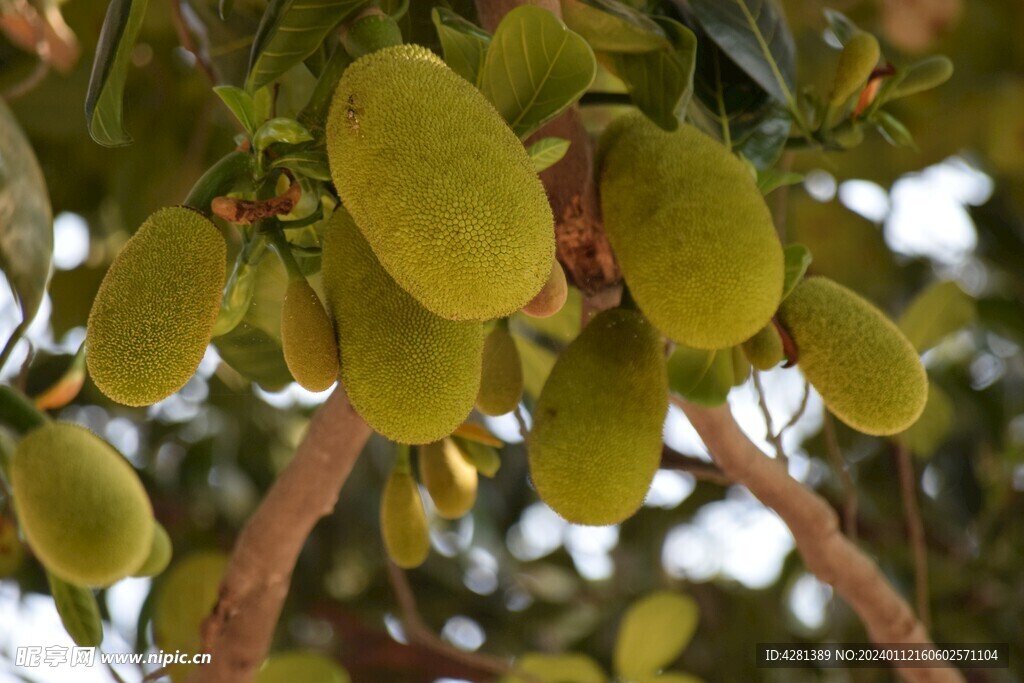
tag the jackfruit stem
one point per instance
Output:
(284, 252)
(402, 451)
(18, 411)
(314, 114)
(219, 179)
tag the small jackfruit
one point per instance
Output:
(440, 186)
(867, 372)
(403, 521)
(154, 313)
(596, 438)
(856, 62)
(411, 375)
(160, 551)
(449, 477)
(691, 232)
(82, 508)
(185, 596)
(300, 667)
(552, 295)
(307, 337)
(740, 366)
(501, 382)
(764, 350)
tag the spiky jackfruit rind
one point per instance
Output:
(154, 313)
(596, 438)
(412, 375)
(403, 521)
(82, 507)
(867, 372)
(440, 186)
(694, 238)
(307, 338)
(764, 350)
(501, 382)
(449, 477)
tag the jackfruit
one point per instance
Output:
(82, 508)
(596, 439)
(740, 366)
(691, 232)
(764, 350)
(160, 551)
(501, 382)
(551, 297)
(403, 521)
(411, 375)
(449, 477)
(307, 337)
(440, 186)
(154, 313)
(867, 372)
(856, 62)
(300, 667)
(185, 596)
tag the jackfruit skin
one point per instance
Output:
(411, 375)
(551, 297)
(764, 350)
(856, 62)
(692, 234)
(440, 186)
(450, 479)
(82, 508)
(596, 438)
(867, 372)
(307, 338)
(154, 313)
(403, 521)
(160, 551)
(501, 382)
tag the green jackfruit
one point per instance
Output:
(82, 508)
(160, 551)
(596, 439)
(691, 232)
(154, 313)
(301, 667)
(403, 521)
(856, 62)
(550, 299)
(185, 596)
(867, 372)
(501, 384)
(411, 375)
(449, 477)
(307, 337)
(764, 350)
(440, 186)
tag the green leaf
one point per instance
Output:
(311, 163)
(241, 104)
(841, 25)
(78, 612)
(893, 130)
(797, 258)
(937, 312)
(26, 223)
(290, 31)
(464, 43)
(537, 364)
(700, 376)
(255, 355)
(610, 26)
(104, 110)
(288, 131)
(547, 152)
(925, 436)
(653, 633)
(771, 178)
(484, 458)
(660, 83)
(535, 68)
(567, 668)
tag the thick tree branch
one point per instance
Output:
(815, 527)
(239, 632)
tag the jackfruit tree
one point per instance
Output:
(521, 341)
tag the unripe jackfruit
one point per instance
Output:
(867, 372)
(403, 521)
(307, 337)
(160, 551)
(450, 479)
(154, 313)
(596, 439)
(856, 62)
(82, 507)
(691, 232)
(764, 350)
(440, 186)
(411, 375)
(501, 384)
(550, 299)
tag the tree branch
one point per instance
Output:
(915, 530)
(815, 527)
(239, 631)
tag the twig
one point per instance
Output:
(27, 84)
(835, 456)
(832, 557)
(672, 459)
(915, 531)
(252, 210)
(156, 675)
(185, 38)
(775, 439)
(524, 431)
(801, 409)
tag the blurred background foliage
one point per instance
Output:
(511, 577)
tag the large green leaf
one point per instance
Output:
(935, 313)
(535, 67)
(26, 222)
(653, 633)
(78, 612)
(464, 43)
(290, 31)
(255, 355)
(610, 26)
(104, 109)
(567, 668)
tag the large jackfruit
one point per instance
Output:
(867, 372)
(691, 232)
(411, 375)
(82, 507)
(307, 337)
(440, 186)
(154, 313)
(596, 439)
